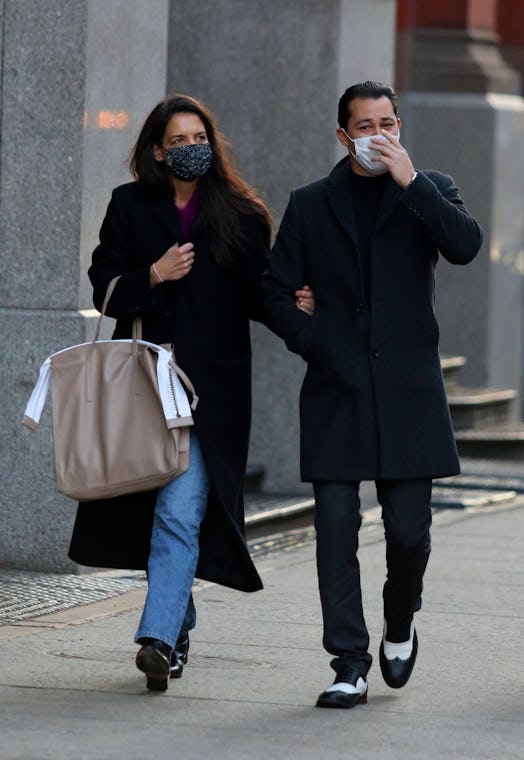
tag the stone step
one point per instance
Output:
(492, 468)
(479, 408)
(271, 512)
(255, 474)
(483, 482)
(276, 513)
(463, 498)
(451, 366)
(494, 443)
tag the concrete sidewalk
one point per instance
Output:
(69, 689)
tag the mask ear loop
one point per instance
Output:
(347, 146)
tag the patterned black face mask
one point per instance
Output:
(188, 162)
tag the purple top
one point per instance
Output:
(186, 215)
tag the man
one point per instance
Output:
(373, 404)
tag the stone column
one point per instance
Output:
(462, 114)
(510, 28)
(77, 80)
(273, 77)
(451, 46)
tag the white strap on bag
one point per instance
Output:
(174, 399)
(35, 405)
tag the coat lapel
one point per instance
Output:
(389, 202)
(339, 197)
(163, 208)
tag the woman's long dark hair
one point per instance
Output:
(223, 193)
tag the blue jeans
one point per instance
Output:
(179, 511)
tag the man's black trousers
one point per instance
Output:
(406, 513)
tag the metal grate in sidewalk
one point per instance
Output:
(25, 595)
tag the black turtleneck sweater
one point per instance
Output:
(366, 196)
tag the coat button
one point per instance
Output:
(359, 307)
(374, 354)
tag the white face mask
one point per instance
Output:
(363, 153)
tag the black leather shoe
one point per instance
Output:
(348, 690)
(398, 659)
(154, 659)
(179, 656)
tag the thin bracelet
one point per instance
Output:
(155, 270)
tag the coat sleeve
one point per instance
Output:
(284, 275)
(252, 264)
(114, 256)
(437, 203)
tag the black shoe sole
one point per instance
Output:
(156, 668)
(339, 700)
(156, 684)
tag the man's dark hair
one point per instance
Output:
(373, 90)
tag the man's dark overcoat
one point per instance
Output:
(373, 404)
(207, 313)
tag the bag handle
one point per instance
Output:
(137, 329)
(137, 322)
(187, 382)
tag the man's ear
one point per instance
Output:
(342, 137)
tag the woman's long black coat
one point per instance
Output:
(373, 403)
(207, 312)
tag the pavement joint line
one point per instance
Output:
(378, 702)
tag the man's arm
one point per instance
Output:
(440, 209)
(283, 277)
(435, 201)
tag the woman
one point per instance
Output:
(190, 240)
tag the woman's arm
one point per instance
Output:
(252, 262)
(142, 286)
(114, 257)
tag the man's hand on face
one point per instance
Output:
(395, 157)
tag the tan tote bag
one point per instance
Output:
(121, 416)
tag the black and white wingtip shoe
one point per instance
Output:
(397, 659)
(348, 690)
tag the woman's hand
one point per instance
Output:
(173, 265)
(305, 300)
